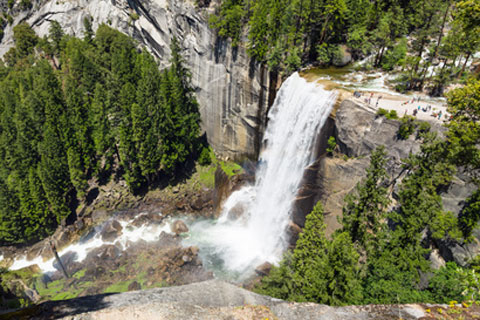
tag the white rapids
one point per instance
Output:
(94, 240)
(241, 241)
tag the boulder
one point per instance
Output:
(293, 232)
(344, 58)
(197, 204)
(179, 227)
(264, 269)
(111, 230)
(436, 260)
(236, 212)
(99, 215)
(134, 286)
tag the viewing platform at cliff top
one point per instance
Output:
(369, 88)
(426, 110)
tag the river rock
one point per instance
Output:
(111, 230)
(67, 259)
(197, 204)
(293, 232)
(179, 227)
(99, 215)
(264, 269)
(236, 212)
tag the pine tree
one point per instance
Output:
(365, 208)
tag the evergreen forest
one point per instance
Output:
(428, 42)
(75, 111)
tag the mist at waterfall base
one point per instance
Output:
(235, 244)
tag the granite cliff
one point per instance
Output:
(232, 90)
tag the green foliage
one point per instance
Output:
(25, 4)
(423, 127)
(395, 56)
(470, 215)
(134, 16)
(228, 22)
(293, 61)
(382, 112)
(108, 111)
(328, 54)
(365, 208)
(332, 144)
(446, 284)
(205, 158)
(464, 128)
(25, 39)
(407, 127)
(392, 115)
(319, 270)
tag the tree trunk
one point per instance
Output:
(297, 25)
(464, 65)
(55, 253)
(441, 31)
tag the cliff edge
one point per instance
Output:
(213, 299)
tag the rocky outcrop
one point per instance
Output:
(229, 86)
(358, 131)
(212, 299)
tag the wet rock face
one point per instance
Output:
(229, 87)
(111, 230)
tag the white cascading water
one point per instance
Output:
(252, 227)
(81, 248)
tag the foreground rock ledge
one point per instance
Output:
(211, 299)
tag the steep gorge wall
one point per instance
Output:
(231, 89)
(358, 131)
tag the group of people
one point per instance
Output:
(411, 101)
(369, 97)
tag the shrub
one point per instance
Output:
(25, 4)
(205, 159)
(406, 128)
(395, 56)
(423, 127)
(134, 16)
(382, 112)
(332, 144)
(392, 115)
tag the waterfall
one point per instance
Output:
(252, 227)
